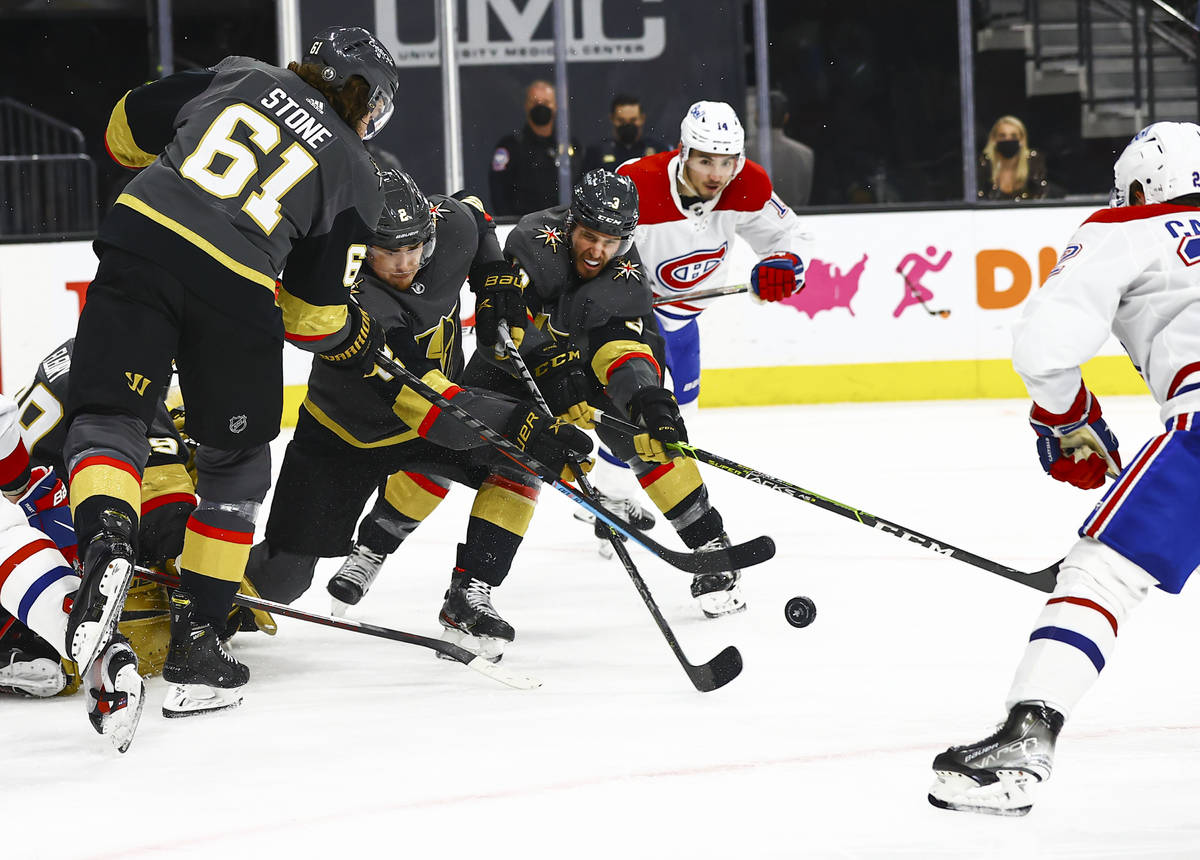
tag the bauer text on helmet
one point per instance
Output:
(1162, 161)
(349, 51)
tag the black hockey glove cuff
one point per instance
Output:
(551, 441)
(499, 288)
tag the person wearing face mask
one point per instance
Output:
(1009, 169)
(524, 173)
(628, 139)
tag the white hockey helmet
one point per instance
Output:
(713, 127)
(1165, 158)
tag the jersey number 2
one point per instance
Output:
(239, 164)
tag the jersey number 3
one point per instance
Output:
(239, 164)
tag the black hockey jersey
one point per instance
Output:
(608, 317)
(247, 169)
(346, 405)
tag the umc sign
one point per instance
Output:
(502, 31)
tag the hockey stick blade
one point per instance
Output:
(709, 561)
(1041, 580)
(454, 652)
(706, 677)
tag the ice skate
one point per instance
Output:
(718, 593)
(625, 508)
(243, 619)
(115, 693)
(204, 676)
(352, 581)
(471, 622)
(107, 572)
(996, 775)
(24, 674)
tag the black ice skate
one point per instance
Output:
(472, 622)
(28, 674)
(352, 581)
(996, 775)
(107, 572)
(718, 593)
(115, 693)
(204, 676)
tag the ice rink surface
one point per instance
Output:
(349, 746)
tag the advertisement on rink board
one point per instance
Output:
(897, 306)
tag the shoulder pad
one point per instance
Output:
(748, 192)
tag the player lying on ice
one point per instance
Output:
(1128, 270)
(357, 434)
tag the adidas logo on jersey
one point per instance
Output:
(318, 105)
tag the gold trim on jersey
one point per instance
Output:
(409, 498)
(346, 436)
(118, 137)
(612, 352)
(503, 508)
(674, 484)
(309, 321)
(411, 407)
(199, 241)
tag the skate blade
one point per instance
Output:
(339, 609)
(39, 679)
(718, 604)
(189, 700)
(91, 637)
(488, 647)
(1011, 795)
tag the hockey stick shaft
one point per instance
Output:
(710, 561)
(706, 677)
(696, 295)
(1041, 580)
(447, 649)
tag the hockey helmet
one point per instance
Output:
(607, 203)
(1164, 158)
(713, 127)
(348, 51)
(407, 218)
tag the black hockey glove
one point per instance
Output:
(499, 295)
(562, 375)
(551, 441)
(656, 410)
(357, 351)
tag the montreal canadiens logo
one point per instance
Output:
(685, 272)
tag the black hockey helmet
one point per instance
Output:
(348, 51)
(607, 203)
(407, 217)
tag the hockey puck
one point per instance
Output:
(800, 611)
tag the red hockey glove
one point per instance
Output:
(777, 277)
(1076, 446)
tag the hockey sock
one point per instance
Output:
(408, 498)
(677, 490)
(216, 547)
(502, 511)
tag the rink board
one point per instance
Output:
(849, 335)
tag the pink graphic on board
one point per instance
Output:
(826, 288)
(916, 293)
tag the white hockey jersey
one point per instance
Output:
(1134, 271)
(685, 249)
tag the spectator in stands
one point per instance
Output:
(791, 160)
(524, 175)
(628, 138)
(1009, 169)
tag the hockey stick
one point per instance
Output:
(706, 677)
(736, 557)
(453, 652)
(1041, 580)
(944, 313)
(696, 295)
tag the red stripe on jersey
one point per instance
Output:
(1124, 483)
(1184, 372)
(10, 563)
(1137, 213)
(428, 485)
(1089, 604)
(432, 415)
(106, 461)
(683, 306)
(14, 464)
(513, 486)
(653, 181)
(215, 533)
(748, 192)
(167, 499)
(649, 478)
(630, 355)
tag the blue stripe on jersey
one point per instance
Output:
(686, 315)
(1186, 389)
(1076, 640)
(38, 587)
